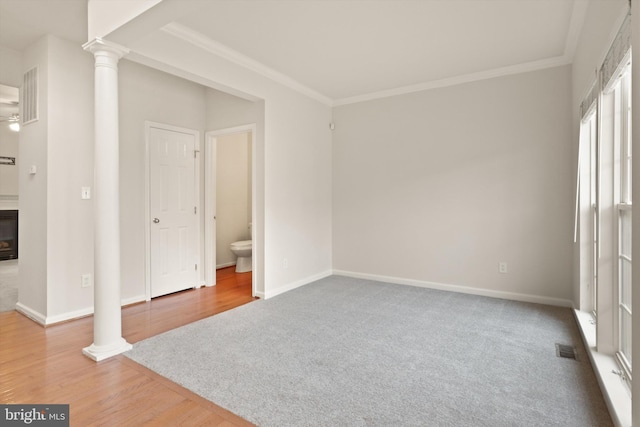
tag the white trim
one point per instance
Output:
(9, 203)
(225, 265)
(294, 285)
(210, 208)
(614, 390)
(70, 315)
(31, 314)
(210, 138)
(200, 40)
(147, 197)
(197, 196)
(99, 44)
(457, 80)
(460, 289)
(133, 300)
(98, 353)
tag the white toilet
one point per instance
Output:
(242, 249)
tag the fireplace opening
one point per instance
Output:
(8, 235)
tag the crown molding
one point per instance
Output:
(453, 81)
(197, 39)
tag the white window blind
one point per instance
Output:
(614, 62)
(590, 100)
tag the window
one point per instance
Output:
(622, 188)
(604, 204)
(588, 213)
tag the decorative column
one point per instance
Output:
(107, 319)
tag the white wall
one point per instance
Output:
(69, 168)
(440, 186)
(293, 160)
(226, 111)
(233, 194)
(146, 94)
(56, 243)
(32, 224)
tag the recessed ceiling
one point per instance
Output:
(346, 49)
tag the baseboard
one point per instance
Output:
(616, 394)
(461, 289)
(293, 285)
(31, 314)
(225, 265)
(133, 300)
(70, 315)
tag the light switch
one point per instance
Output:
(33, 169)
(86, 193)
(86, 280)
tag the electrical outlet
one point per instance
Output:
(502, 267)
(86, 280)
(285, 263)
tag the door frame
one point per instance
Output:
(147, 197)
(210, 201)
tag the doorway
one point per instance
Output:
(214, 242)
(9, 191)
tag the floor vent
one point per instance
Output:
(566, 351)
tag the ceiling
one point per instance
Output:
(22, 22)
(345, 49)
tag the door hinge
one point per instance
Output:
(196, 267)
(195, 209)
(195, 153)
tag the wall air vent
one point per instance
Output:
(30, 96)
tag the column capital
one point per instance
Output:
(99, 45)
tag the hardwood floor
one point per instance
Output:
(45, 365)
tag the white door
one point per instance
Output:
(172, 211)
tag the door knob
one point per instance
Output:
(156, 220)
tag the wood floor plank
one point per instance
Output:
(46, 365)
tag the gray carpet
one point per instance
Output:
(350, 352)
(8, 285)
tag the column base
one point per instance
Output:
(98, 353)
